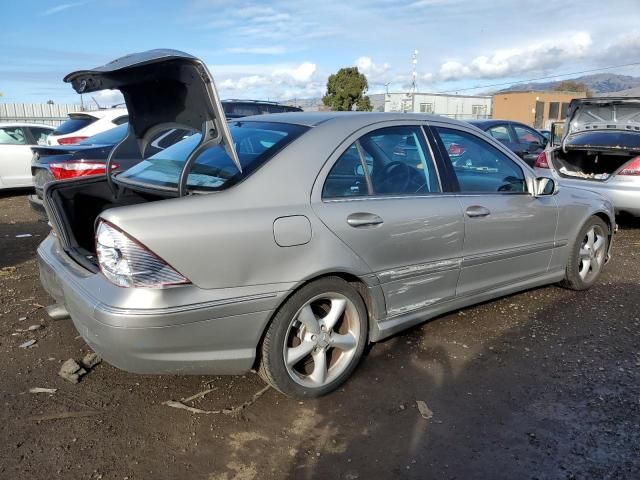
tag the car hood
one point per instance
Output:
(162, 89)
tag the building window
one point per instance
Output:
(479, 111)
(554, 110)
(565, 109)
(426, 108)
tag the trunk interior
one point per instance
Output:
(590, 165)
(74, 208)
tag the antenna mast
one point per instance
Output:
(414, 79)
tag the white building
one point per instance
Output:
(463, 107)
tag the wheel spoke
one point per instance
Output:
(584, 253)
(599, 243)
(295, 354)
(585, 267)
(308, 319)
(590, 238)
(337, 309)
(319, 373)
(343, 342)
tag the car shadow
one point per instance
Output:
(533, 391)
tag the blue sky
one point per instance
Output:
(285, 49)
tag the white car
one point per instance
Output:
(82, 125)
(16, 140)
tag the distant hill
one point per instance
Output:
(598, 83)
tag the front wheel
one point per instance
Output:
(588, 255)
(316, 339)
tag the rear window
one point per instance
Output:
(255, 142)
(73, 124)
(108, 137)
(241, 109)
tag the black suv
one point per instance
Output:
(244, 108)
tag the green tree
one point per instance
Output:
(346, 89)
(573, 86)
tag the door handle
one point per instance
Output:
(363, 219)
(477, 211)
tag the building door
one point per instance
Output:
(539, 114)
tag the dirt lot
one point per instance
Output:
(544, 384)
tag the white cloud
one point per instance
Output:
(514, 61)
(107, 98)
(269, 81)
(375, 73)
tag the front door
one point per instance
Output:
(383, 198)
(509, 233)
(15, 157)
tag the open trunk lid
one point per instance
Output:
(607, 123)
(163, 89)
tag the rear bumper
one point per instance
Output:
(160, 331)
(625, 195)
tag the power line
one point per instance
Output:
(541, 78)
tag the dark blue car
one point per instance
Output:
(50, 163)
(521, 139)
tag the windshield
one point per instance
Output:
(109, 137)
(255, 142)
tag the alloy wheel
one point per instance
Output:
(592, 253)
(321, 340)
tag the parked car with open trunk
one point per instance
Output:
(287, 242)
(598, 147)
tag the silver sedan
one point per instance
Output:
(287, 242)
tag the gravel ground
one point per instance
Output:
(543, 384)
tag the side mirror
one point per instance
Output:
(546, 186)
(557, 132)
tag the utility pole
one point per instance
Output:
(414, 81)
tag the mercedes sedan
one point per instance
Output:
(287, 242)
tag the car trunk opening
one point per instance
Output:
(73, 208)
(591, 164)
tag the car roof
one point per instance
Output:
(352, 119)
(488, 123)
(25, 124)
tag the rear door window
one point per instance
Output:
(73, 124)
(40, 134)
(12, 136)
(479, 166)
(528, 135)
(500, 132)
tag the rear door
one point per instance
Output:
(15, 157)
(530, 142)
(381, 194)
(509, 233)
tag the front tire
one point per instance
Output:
(315, 340)
(588, 255)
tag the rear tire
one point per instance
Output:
(587, 255)
(315, 340)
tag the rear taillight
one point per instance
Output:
(78, 168)
(127, 263)
(541, 161)
(631, 168)
(70, 140)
